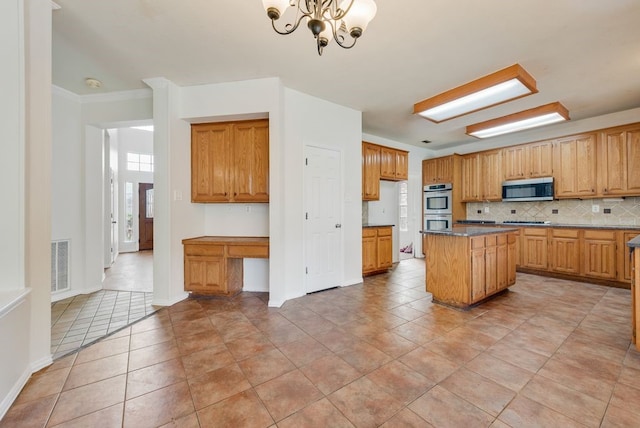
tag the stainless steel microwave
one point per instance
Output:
(535, 189)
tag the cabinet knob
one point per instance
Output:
(338, 226)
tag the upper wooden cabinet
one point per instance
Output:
(370, 172)
(230, 161)
(575, 166)
(438, 170)
(528, 161)
(394, 164)
(619, 161)
(482, 176)
(381, 163)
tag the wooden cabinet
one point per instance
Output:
(377, 249)
(513, 256)
(463, 270)
(381, 163)
(599, 254)
(624, 256)
(230, 162)
(394, 164)
(534, 248)
(528, 160)
(438, 170)
(564, 254)
(370, 172)
(213, 265)
(482, 176)
(491, 175)
(471, 177)
(619, 161)
(575, 166)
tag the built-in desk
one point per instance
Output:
(213, 264)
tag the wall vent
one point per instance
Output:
(60, 265)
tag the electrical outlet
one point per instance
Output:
(595, 208)
(486, 209)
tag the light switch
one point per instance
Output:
(177, 195)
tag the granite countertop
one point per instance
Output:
(566, 226)
(377, 225)
(634, 243)
(469, 231)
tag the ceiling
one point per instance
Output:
(583, 53)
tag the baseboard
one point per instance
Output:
(41, 363)
(7, 401)
(169, 302)
(353, 281)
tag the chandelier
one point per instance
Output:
(327, 19)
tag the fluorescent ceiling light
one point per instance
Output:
(505, 85)
(143, 128)
(532, 118)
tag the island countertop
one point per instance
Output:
(634, 243)
(469, 231)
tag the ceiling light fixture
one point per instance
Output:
(496, 88)
(325, 18)
(532, 118)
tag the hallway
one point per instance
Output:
(126, 298)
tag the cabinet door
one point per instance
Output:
(575, 170)
(387, 163)
(429, 171)
(369, 251)
(210, 179)
(370, 172)
(502, 262)
(599, 251)
(478, 275)
(471, 178)
(565, 251)
(534, 248)
(444, 168)
(491, 270)
(625, 255)
(385, 252)
(539, 160)
(514, 162)
(512, 257)
(205, 274)
(251, 161)
(402, 165)
(619, 159)
(491, 173)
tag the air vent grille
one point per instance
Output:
(60, 265)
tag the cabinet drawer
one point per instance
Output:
(604, 235)
(384, 231)
(249, 251)
(565, 233)
(534, 231)
(490, 241)
(369, 232)
(204, 250)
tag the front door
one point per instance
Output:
(323, 213)
(145, 214)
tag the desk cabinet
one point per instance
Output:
(377, 249)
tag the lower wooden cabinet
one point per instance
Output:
(377, 249)
(599, 257)
(534, 249)
(564, 251)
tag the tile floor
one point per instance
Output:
(548, 353)
(126, 298)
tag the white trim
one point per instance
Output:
(353, 281)
(169, 302)
(57, 90)
(276, 303)
(14, 392)
(116, 96)
(11, 299)
(41, 363)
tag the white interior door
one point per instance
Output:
(323, 219)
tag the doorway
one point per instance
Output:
(145, 213)
(323, 218)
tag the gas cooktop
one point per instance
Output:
(525, 222)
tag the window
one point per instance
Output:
(139, 162)
(128, 211)
(404, 221)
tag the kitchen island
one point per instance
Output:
(634, 248)
(467, 265)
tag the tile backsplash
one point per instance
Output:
(609, 211)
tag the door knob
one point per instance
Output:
(338, 225)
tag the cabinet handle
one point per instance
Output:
(605, 190)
